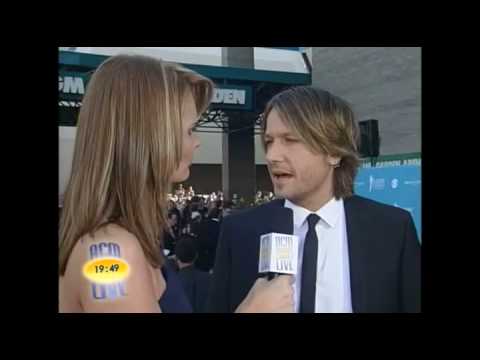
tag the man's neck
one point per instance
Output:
(312, 205)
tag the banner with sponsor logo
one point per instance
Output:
(394, 181)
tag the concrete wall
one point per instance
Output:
(382, 83)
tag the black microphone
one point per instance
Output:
(279, 247)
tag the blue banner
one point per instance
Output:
(399, 186)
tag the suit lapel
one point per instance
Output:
(357, 256)
(265, 226)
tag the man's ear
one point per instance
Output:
(334, 160)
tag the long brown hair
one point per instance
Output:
(128, 144)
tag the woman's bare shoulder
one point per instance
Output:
(136, 292)
(111, 240)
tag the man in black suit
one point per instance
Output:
(196, 283)
(355, 254)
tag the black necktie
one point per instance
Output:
(309, 267)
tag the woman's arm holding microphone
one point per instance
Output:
(274, 296)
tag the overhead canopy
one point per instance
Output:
(237, 89)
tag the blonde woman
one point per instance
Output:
(134, 139)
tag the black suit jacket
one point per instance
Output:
(384, 256)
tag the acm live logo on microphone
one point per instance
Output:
(278, 253)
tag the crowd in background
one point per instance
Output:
(190, 243)
(200, 216)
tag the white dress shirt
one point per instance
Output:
(333, 294)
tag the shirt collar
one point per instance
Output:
(329, 213)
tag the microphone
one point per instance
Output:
(279, 247)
